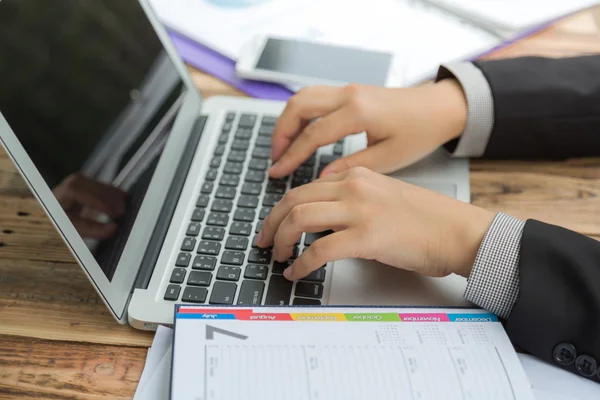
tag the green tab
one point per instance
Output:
(373, 317)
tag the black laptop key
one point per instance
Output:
(244, 215)
(230, 180)
(251, 293)
(226, 127)
(233, 168)
(299, 301)
(271, 199)
(240, 228)
(279, 291)
(236, 156)
(304, 172)
(215, 162)
(255, 176)
(263, 141)
(194, 294)
(279, 267)
(193, 229)
(177, 276)
(227, 273)
(209, 248)
(198, 215)
(259, 256)
(172, 292)
(254, 246)
(338, 149)
(222, 205)
(299, 181)
(205, 263)
(232, 258)
(264, 212)
(225, 192)
(255, 271)
(211, 175)
(203, 201)
(247, 201)
(223, 293)
(258, 164)
(213, 233)
(236, 243)
(327, 159)
(312, 237)
(247, 120)
(309, 289)
(259, 227)
(243, 133)
(276, 187)
(207, 188)
(251, 188)
(266, 130)
(240, 144)
(269, 120)
(188, 244)
(199, 278)
(261, 152)
(223, 138)
(217, 219)
(230, 116)
(220, 150)
(316, 276)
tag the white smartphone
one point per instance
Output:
(301, 62)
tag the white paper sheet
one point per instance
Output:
(344, 353)
(154, 382)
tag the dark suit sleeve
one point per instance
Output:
(544, 108)
(557, 313)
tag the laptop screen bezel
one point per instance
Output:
(116, 293)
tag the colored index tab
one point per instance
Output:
(209, 316)
(318, 317)
(473, 317)
(375, 317)
(424, 317)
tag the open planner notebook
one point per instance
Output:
(317, 353)
(421, 34)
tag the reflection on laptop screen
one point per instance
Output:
(89, 91)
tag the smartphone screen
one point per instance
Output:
(327, 62)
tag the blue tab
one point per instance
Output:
(204, 316)
(472, 318)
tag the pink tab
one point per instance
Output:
(420, 317)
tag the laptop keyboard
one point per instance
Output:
(219, 262)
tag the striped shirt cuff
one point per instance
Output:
(480, 103)
(494, 281)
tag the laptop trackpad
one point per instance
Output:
(362, 282)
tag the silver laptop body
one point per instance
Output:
(194, 170)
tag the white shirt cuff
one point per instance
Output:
(494, 280)
(480, 102)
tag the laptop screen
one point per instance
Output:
(90, 93)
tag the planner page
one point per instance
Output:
(420, 37)
(273, 353)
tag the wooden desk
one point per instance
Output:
(57, 340)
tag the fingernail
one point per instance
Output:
(327, 171)
(288, 273)
(259, 238)
(274, 166)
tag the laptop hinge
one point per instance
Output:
(168, 209)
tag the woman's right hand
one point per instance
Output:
(402, 125)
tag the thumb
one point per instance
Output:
(379, 158)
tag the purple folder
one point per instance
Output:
(222, 67)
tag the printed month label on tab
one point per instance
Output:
(316, 317)
(375, 317)
(424, 317)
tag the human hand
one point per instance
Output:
(76, 193)
(402, 125)
(379, 218)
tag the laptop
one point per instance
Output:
(158, 193)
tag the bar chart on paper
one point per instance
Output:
(336, 353)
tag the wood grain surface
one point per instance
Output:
(57, 339)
